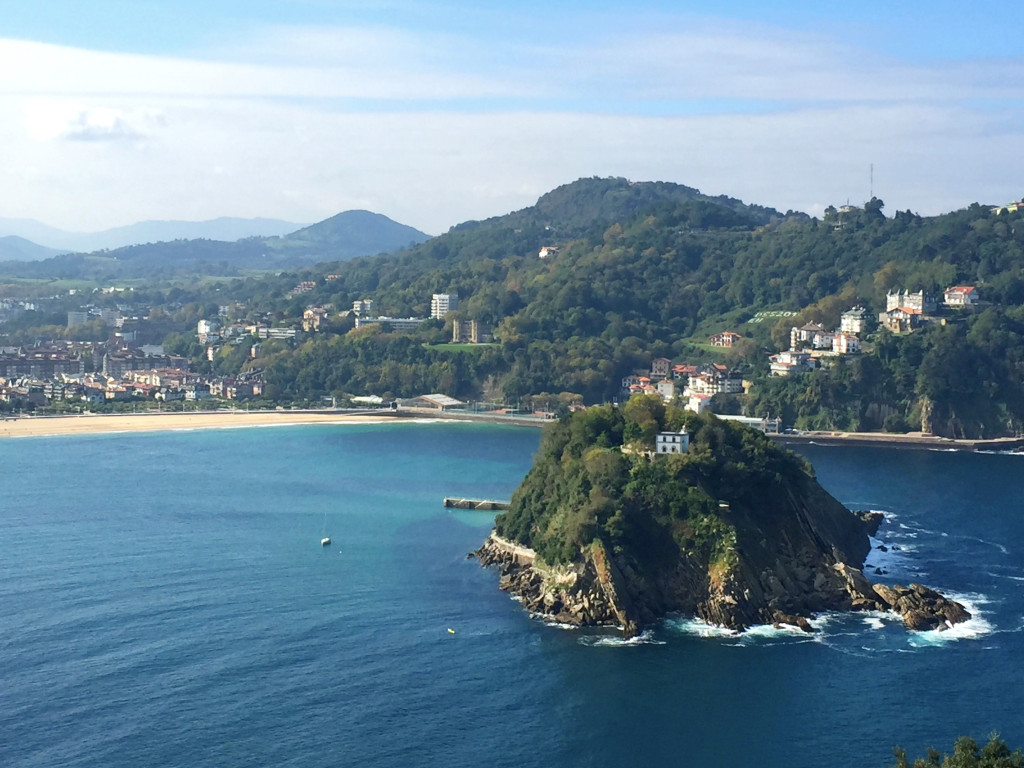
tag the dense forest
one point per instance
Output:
(646, 270)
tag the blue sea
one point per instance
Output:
(165, 601)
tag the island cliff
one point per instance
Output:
(735, 530)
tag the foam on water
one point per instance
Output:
(698, 628)
(972, 629)
(612, 641)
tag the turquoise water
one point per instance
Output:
(164, 601)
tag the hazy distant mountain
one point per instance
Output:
(172, 249)
(355, 233)
(14, 248)
(224, 229)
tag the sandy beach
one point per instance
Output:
(28, 426)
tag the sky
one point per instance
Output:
(434, 113)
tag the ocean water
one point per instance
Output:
(165, 601)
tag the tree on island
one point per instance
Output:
(966, 754)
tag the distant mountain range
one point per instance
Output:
(14, 248)
(217, 247)
(56, 241)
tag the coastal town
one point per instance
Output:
(64, 375)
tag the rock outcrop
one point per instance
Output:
(594, 590)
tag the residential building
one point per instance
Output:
(683, 372)
(724, 339)
(712, 380)
(792, 362)
(961, 296)
(853, 321)
(78, 317)
(206, 330)
(667, 389)
(661, 367)
(923, 302)
(811, 335)
(1009, 208)
(901, 319)
(547, 250)
(845, 344)
(312, 318)
(443, 303)
(363, 307)
(304, 287)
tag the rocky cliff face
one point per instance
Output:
(783, 575)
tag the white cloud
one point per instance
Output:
(47, 119)
(335, 119)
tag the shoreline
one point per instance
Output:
(103, 423)
(905, 441)
(107, 423)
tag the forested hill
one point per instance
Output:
(644, 270)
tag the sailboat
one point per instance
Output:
(325, 541)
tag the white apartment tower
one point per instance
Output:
(443, 303)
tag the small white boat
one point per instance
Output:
(326, 540)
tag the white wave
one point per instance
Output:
(699, 628)
(772, 631)
(975, 627)
(874, 622)
(556, 624)
(611, 641)
(1001, 547)
(1004, 576)
(757, 634)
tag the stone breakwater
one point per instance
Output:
(594, 590)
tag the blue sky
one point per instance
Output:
(438, 112)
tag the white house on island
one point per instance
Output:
(672, 442)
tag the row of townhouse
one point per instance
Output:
(812, 340)
(162, 385)
(695, 384)
(906, 311)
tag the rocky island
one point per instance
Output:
(631, 513)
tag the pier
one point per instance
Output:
(483, 504)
